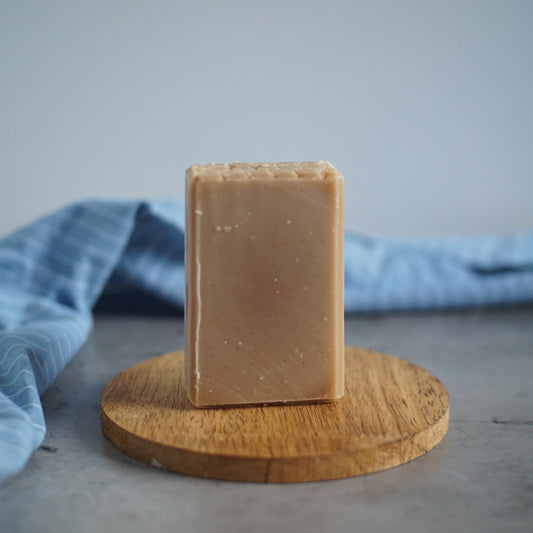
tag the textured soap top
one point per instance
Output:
(319, 170)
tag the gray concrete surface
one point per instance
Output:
(479, 478)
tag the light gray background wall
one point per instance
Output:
(426, 107)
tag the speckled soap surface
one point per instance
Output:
(265, 283)
(478, 479)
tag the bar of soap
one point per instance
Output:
(265, 281)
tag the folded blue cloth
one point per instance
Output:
(53, 272)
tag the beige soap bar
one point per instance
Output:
(264, 271)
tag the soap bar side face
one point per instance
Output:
(265, 281)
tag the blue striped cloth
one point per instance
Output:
(54, 271)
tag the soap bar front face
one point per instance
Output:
(264, 270)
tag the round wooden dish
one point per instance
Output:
(392, 412)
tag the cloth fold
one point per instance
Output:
(54, 271)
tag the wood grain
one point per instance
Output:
(392, 412)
